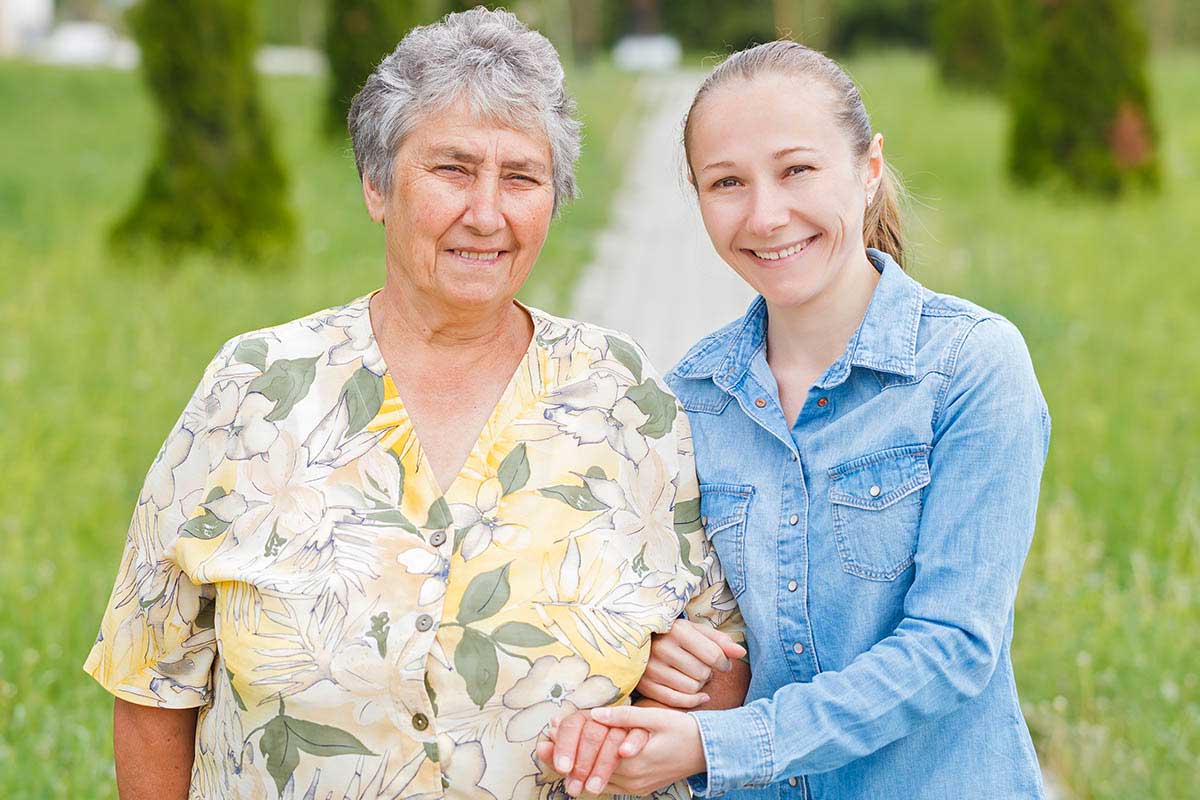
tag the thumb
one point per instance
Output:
(651, 719)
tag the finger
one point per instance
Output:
(651, 719)
(591, 738)
(606, 760)
(694, 640)
(659, 672)
(545, 752)
(566, 742)
(723, 640)
(670, 697)
(674, 655)
(634, 742)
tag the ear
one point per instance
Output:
(874, 166)
(375, 200)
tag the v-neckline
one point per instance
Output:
(480, 446)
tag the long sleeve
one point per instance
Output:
(990, 436)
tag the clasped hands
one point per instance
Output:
(638, 749)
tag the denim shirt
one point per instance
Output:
(874, 548)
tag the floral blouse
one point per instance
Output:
(349, 630)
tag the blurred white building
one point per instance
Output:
(23, 24)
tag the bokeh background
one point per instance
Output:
(1051, 149)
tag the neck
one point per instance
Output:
(404, 317)
(810, 337)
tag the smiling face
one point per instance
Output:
(469, 209)
(781, 191)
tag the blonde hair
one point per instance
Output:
(882, 225)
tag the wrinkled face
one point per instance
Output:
(780, 190)
(469, 209)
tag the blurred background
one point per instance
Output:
(175, 172)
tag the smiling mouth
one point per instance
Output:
(479, 256)
(783, 253)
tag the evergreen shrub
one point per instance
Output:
(969, 42)
(216, 183)
(1080, 98)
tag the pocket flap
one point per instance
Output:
(723, 505)
(875, 481)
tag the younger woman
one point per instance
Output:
(869, 454)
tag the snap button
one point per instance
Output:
(797, 648)
(824, 401)
(793, 781)
(793, 519)
(704, 521)
(420, 721)
(793, 586)
(424, 622)
(761, 403)
(793, 456)
(437, 538)
(874, 491)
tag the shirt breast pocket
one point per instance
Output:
(876, 503)
(724, 510)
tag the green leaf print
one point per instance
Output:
(626, 354)
(286, 383)
(285, 737)
(687, 516)
(475, 660)
(485, 595)
(579, 498)
(439, 515)
(522, 634)
(514, 469)
(364, 395)
(205, 526)
(252, 352)
(379, 632)
(655, 404)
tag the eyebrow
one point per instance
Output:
(778, 154)
(462, 156)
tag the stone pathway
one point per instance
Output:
(655, 275)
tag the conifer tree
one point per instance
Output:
(216, 183)
(358, 35)
(969, 42)
(1080, 98)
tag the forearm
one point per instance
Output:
(153, 749)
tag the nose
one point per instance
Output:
(768, 212)
(483, 214)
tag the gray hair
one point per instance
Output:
(505, 71)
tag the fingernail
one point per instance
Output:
(725, 665)
(574, 788)
(563, 765)
(704, 698)
(600, 714)
(594, 786)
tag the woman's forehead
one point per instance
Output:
(459, 131)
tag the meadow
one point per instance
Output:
(97, 356)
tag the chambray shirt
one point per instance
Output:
(874, 547)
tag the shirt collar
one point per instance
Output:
(886, 339)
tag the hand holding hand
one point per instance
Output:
(585, 752)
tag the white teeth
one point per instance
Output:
(478, 256)
(775, 255)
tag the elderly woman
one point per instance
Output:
(388, 543)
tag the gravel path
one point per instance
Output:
(655, 275)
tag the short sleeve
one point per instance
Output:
(712, 603)
(157, 642)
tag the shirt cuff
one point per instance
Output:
(737, 748)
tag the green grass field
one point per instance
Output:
(97, 358)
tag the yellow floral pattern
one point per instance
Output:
(350, 630)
